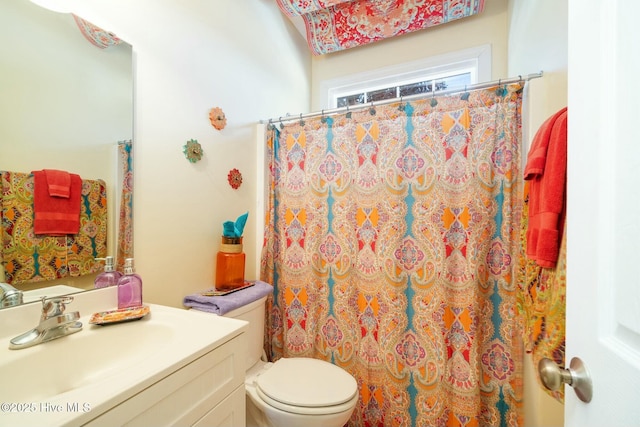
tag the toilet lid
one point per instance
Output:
(307, 382)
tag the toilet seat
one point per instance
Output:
(306, 386)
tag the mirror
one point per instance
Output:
(65, 104)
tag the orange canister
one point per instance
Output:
(230, 262)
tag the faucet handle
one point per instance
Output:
(54, 306)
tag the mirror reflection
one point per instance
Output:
(66, 104)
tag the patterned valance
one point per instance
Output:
(96, 35)
(334, 25)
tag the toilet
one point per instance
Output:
(292, 392)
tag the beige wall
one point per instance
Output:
(189, 57)
(489, 27)
(538, 41)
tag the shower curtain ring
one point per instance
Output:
(465, 94)
(434, 101)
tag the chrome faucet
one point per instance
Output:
(9, 296)
(54, 323)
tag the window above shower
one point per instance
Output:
(426, 85)
(429, 75)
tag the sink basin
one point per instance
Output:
(83, 375)
(80, 359)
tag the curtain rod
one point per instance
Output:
(358, 107)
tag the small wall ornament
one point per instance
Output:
(217, 118)
(193, 150)
(234, 178)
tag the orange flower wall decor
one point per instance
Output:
(217, 118)
(234, 178)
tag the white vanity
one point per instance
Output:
(173, 367)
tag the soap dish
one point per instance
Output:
(120, 315)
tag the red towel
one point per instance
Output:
(547, 170)
(58, 182)
(56, 216)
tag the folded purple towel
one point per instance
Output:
(225, 303)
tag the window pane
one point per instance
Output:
(441, 85)
(358, 98)
(423, 87)
(415, 88)
(453, 82)
(378, 95)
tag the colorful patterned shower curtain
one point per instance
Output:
(391, 241)
(125, 216)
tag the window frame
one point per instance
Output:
(475, 60)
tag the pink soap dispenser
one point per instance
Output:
(109, 277)
(129, 287)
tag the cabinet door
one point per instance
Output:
(185, 396)
(229, 412)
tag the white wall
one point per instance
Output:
(538, 40)
(191, 56)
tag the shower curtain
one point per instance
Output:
(125, 216)
(391, 241)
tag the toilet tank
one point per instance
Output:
(254, 314)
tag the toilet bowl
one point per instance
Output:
(292, 392)
(299, 392)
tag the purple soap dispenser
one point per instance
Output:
(109, 277)
(129, 287)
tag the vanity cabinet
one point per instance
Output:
(209, 391)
